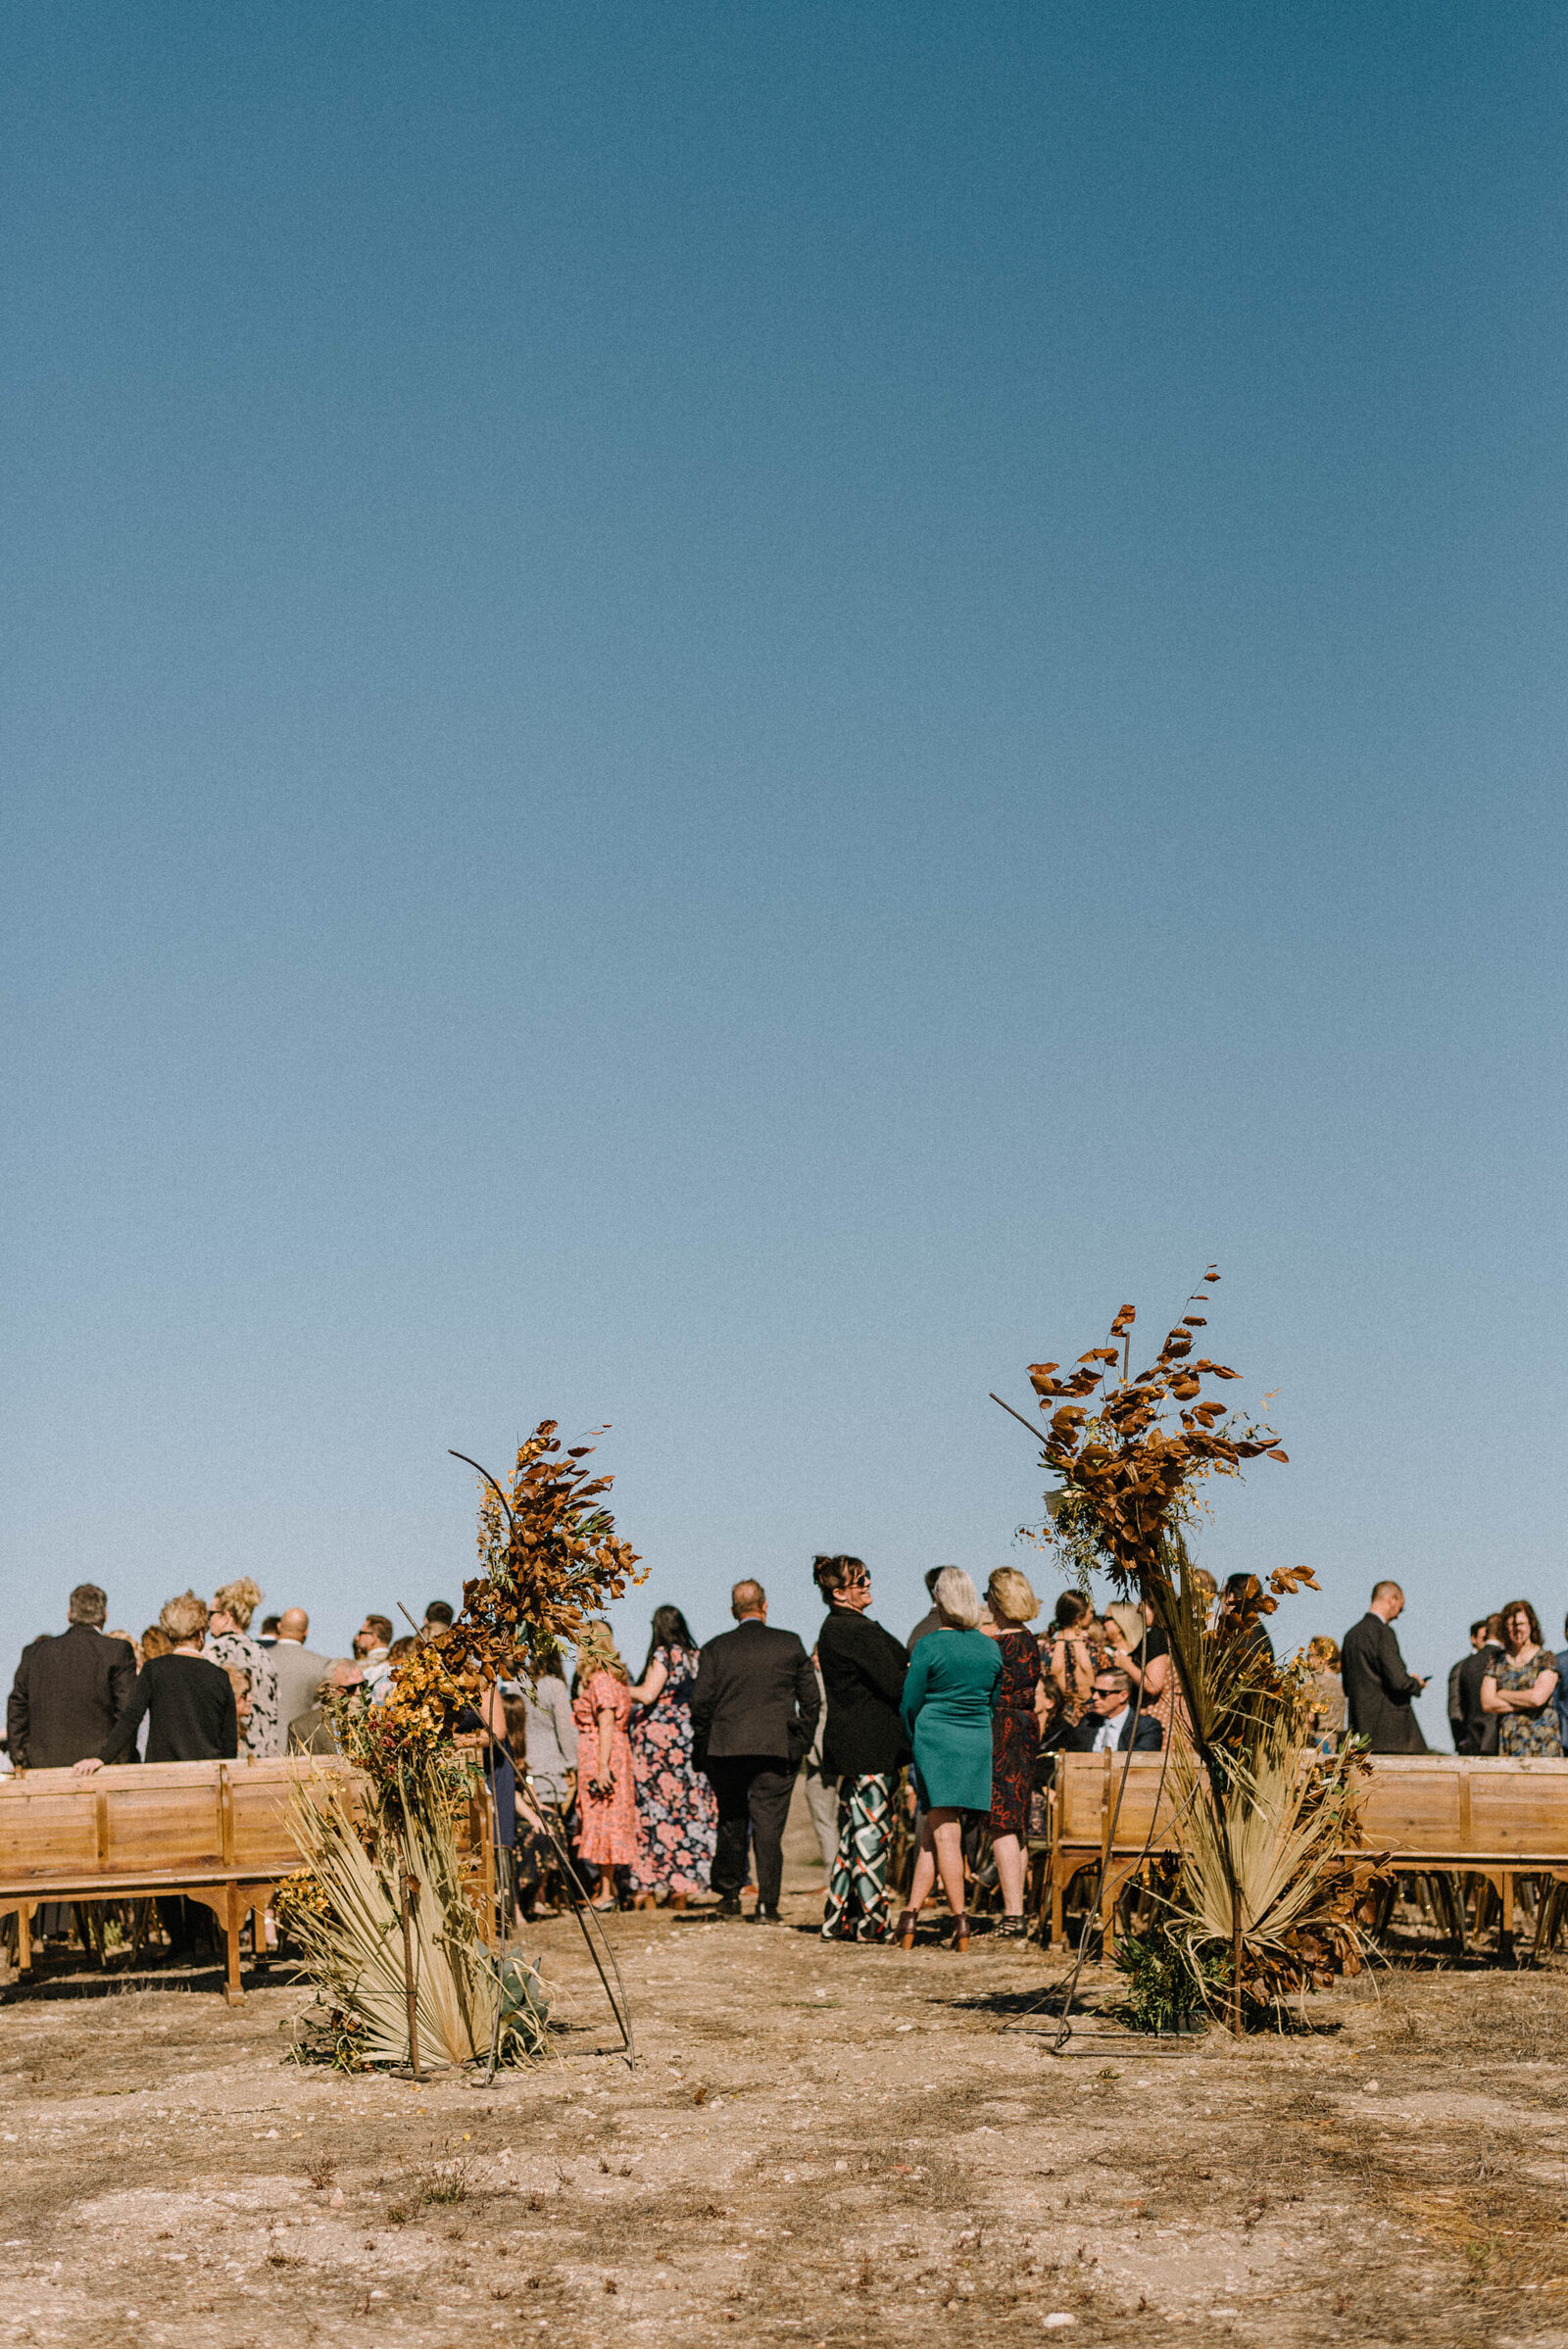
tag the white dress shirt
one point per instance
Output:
(1109, 1731)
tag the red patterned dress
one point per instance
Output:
(677, 1812)
(608, 1834)
(1014, 1733)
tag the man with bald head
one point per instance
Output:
(754, 1711)
(1379, 1692)
(300, 1671)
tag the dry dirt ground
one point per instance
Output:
(819, 2145)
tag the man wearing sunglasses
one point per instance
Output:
(1108, 1726)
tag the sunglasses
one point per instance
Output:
(1118, 1692)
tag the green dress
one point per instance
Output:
(1527, 1734)
(948, 1698)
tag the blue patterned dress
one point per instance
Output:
(677, 1813)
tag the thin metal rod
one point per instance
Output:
(583, 1910)
(404, 1906)
(1039, 1434)
(489, 1480)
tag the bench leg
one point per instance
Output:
(234, 1987)
(24, 1936)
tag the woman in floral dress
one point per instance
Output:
(1067, 1656)
(607, 1800)
(1520, 1686)
(1018, 1719)
(677, 1813)
(229, 1643)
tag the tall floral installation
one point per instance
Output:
(386, 1904)
(1263, 1902)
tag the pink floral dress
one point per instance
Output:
(677, 1811)
(608, 1833)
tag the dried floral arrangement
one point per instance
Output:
(1263, 1902)
(550, 1561)
(383, 1905)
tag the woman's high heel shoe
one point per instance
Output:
(961, 1932)
(905, 1935)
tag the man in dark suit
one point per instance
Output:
(1378, 1691)
(753, 1712)
(69, 1689)
(1108, 1726)
(1476, 1731)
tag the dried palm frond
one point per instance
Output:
(352, 1942)
(1273, 1871)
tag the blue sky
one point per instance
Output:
(717, 717)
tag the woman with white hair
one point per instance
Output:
(949, 1699)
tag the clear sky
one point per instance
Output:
(719, 716)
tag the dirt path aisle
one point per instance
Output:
(819, 2145)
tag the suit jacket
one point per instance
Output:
(298, 1672)
(862, 1672)
(1378, 1689)
(755, 1693)
(1478, 1732)
(68, 1692)
(1148, 1737)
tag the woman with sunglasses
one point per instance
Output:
(863, 1747)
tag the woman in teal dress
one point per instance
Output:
(948, 1698)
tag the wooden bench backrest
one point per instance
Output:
(166, 1819)
(1442, 1806)
(1086, 1794)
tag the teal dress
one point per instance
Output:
(948, 1698)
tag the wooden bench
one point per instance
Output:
(1432, 1813)
(212, 1832)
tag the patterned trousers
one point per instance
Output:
(857, 1908)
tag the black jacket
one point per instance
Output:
(863, 1671)
(1478, 1732)
(755, 1693)
(193, 1715)
(1148, 1737)
(1378, 1689)
(68, 1692)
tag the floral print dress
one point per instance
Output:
(606, 1836)
(1015, 1733)
(677, 1813)
(1536, 1734)
(263, 1735)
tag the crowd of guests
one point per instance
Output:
(685, 1776)
(656, 1789)
(1508, 1696)
(679, 1783)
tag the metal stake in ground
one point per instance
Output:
(407, 1894)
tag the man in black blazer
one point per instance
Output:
(1476, 1732)
(1108, 1726)
(753, 1712)
(1379, 1692)
(69, 1689)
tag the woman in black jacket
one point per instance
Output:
(189, 1700)
(191, 1717)
(864, 1747)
